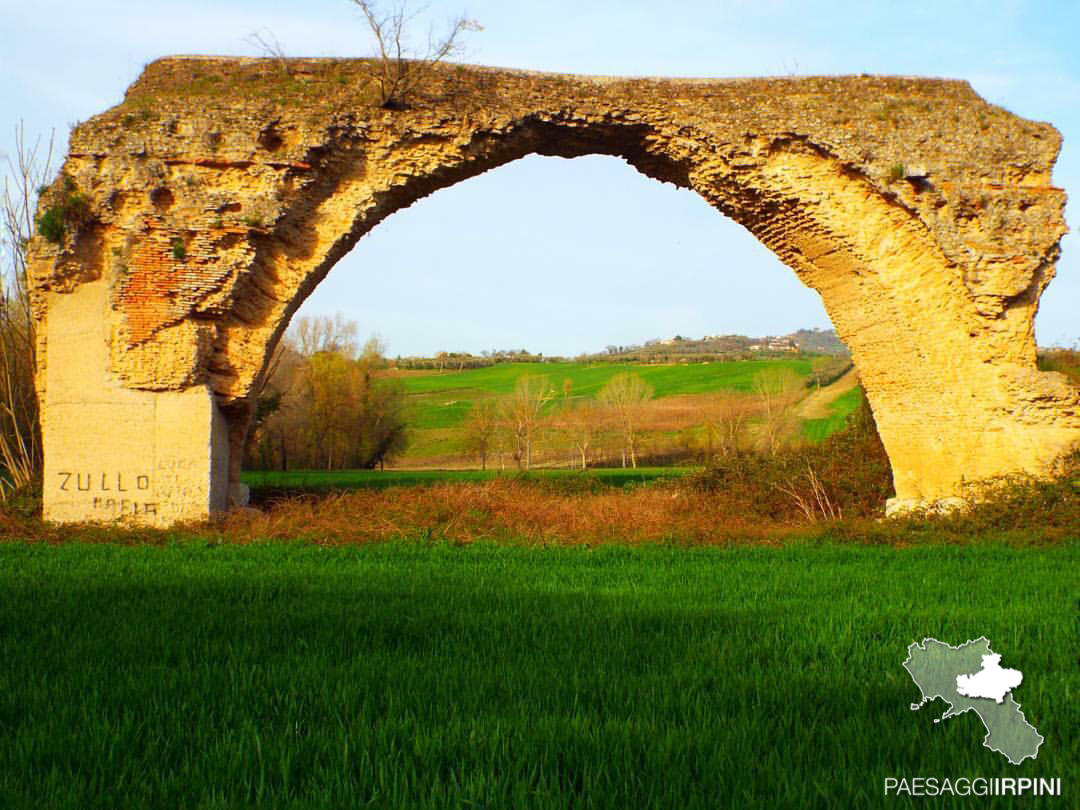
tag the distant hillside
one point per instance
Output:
(724, 347)
(678, 348)
(819, 341)
(672, 426)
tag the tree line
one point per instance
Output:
(327, 403)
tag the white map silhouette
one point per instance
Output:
(991, 681)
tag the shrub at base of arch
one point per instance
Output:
(847, 475)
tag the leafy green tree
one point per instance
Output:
(329, 406)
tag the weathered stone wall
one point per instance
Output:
(153, 457)
(221, 191)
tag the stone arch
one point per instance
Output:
(222, 191)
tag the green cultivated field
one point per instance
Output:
(443, 400)
(817, 430)
(418, 676)
(439, 402)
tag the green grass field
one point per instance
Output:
(438, 403)
(817, 430)
(417, 676)
(443, 400)
(323, 480)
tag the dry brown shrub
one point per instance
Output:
(504, 511)
(751, 500)
(527, 512)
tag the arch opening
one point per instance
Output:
(527, 250)
(604, 253)
(845, 240)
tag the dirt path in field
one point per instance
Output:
(816, 405)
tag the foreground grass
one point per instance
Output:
(414, 676)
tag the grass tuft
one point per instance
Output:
(68, 207)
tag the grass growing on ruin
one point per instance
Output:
(412, 675)
(1064, 361)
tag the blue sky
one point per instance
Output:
(567, 256)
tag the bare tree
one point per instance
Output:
(480, 430)
(818, 365)
(20, 435)
(582, 421)
(322, 333)
(627, 394)
(776, 390)
(264, 41)
(523, 409)
(724, 418)
(399, 67)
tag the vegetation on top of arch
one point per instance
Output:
(326, 82)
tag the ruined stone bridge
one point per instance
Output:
(191, 221)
